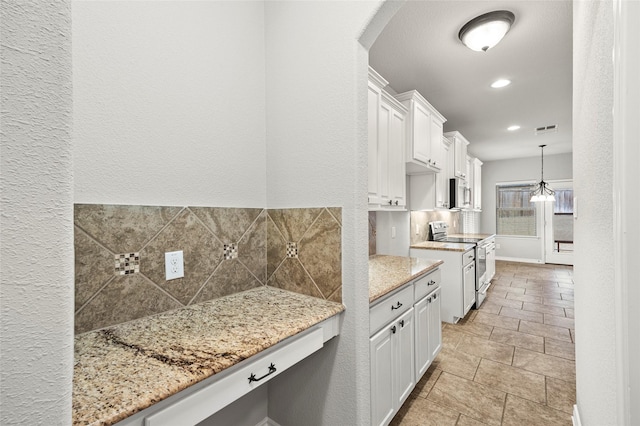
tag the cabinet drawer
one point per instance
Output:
(427, 284)
(468, 257)
(210, 399)
(389, 308)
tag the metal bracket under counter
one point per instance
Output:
(203, 399)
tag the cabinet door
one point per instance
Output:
(384, 118)
(435, 325)
(460, 148)
(373, 105)
(382, 369)
(396, 167)
(421, 134)
(422, 344)
(435, 139)
(405, 355)
(477, 184)
(442, 178)
(469, 286)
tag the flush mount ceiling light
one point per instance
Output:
(485, 31)
(500, 83)
(542, 192)
(513, 128)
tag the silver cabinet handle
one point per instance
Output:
(393, 329)
(402, 323)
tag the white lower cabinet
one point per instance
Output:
(392, 376)
(428, 332)
(406, 337)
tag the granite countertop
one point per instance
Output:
(126, 368)
(436, 245)
(387, 273)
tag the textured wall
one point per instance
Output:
(593, 186)
(169, 103)
(36, 224)
(317, 155)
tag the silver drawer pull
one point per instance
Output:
(253, 378)
(398, 306)
(432, 282)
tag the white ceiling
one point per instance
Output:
(419, 49)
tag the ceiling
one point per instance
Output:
(419, 49)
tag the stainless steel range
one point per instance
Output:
(483, 246)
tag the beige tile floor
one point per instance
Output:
(512, 362)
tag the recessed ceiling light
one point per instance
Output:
(513, 128)
(500, 83)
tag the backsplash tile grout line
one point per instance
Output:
(94, 295)
(204, 284)
(166, 225)
(207, 228)
(92, 238)
(161, 289)
(310, 277)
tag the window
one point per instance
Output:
(564, 202)
(515, 215)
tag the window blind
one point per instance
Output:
(515, 214)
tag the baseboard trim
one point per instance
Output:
(576, 416)
(518, 259)
(268, 422)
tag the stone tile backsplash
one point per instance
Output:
(422, 219)
(226, 250)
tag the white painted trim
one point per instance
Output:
(575, 418)
(626, 230)
(518, 259)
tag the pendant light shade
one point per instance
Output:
(542, 191)
(485, 31)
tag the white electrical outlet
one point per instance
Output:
(393, 232)
(417, 229)
(173, 265)
(498, 246)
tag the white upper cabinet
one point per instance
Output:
(476, 186)
(460, 154)
(424, 133)
(386, 127)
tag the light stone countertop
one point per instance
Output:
(387, 273)
(123, 369)
(436, 245)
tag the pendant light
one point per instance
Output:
(485, 31)
(542, 191)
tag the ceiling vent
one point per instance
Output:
(546, 129)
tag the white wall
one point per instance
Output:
(556, 167)
(169, 103)
(36, 220)
(386, 243)
(596, 365)
(317, 156)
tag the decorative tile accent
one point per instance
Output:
(127, 263)
(230, 251)
(292, 250)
